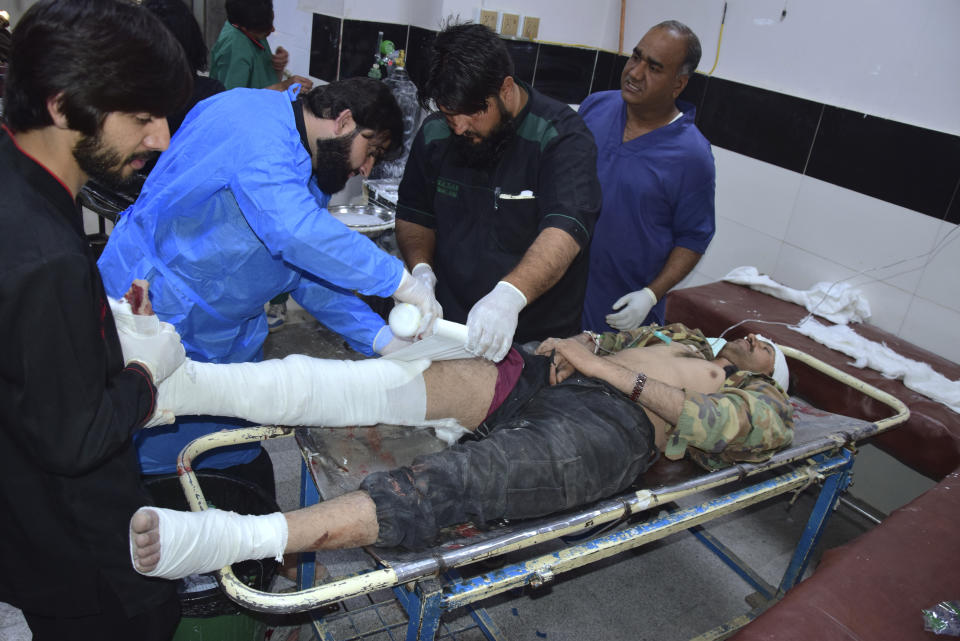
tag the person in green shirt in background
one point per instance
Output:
(241, 57)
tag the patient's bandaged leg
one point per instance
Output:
(196, 542)
(300, 390)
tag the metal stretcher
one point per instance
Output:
(427, 584)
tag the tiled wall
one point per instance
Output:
(915, 168)
(809, 192)
(806, 191)
(566, 73)
(912, 167)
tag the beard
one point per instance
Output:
(105, 164)
(487, 151)
(332, 162)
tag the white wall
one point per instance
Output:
(888, 63)
(891, 59)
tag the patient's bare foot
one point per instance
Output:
(145, 539)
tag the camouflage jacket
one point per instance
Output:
(749, 419)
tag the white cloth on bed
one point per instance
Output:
(917, 376)
(838, 302)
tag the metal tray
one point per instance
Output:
(364, 218)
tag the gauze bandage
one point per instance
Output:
(197, 542)
(300, 390)
(781, 372)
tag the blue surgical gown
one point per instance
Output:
(229, 218)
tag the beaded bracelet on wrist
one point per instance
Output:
(638, 384)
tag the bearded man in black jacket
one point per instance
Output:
(88, 88)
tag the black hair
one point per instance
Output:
(255, 15)
(181, 23)
(692, 56)
(370, 101)
(101, 55)
(468, 64)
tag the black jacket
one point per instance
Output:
(486, 219)
(68, 408)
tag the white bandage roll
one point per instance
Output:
(446, 343)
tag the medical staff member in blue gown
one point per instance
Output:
(234, 214)
(657, 174)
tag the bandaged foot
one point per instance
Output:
(171, 544)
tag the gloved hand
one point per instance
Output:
(160, 353)
(636, 306)
(147, 340)
(386, 342)
(168, 395)
(493, 320)
(424, 272)
(415, 291)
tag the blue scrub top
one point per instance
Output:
(229, 218)
(658, 193)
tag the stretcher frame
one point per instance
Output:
(428, 584)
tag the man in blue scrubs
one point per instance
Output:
(657, 175)
(234, 214)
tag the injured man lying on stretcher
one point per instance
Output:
(548, 432)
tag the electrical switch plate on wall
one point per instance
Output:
(509, 24)
(530, 27)
(489, 18)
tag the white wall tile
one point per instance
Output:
(799, 269)
(802, 270)
(888, 305)
(294, 27)
(933, 327)
(861, 232)
(397, 12)
(702, 17)
(735, 245)
(754, 193)
(852, 63)
(939, 282)
(695, 279)
(326, 7)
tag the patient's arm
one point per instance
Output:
(664, 400)
(741, 418)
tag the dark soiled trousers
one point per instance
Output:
(545, 449)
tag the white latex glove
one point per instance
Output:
(635, 307)
(168, 396)
(161, 416)
(147, 340)
(395, 344)
(415, 291)
(387, 342)
(493, 320)
(424, 272)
